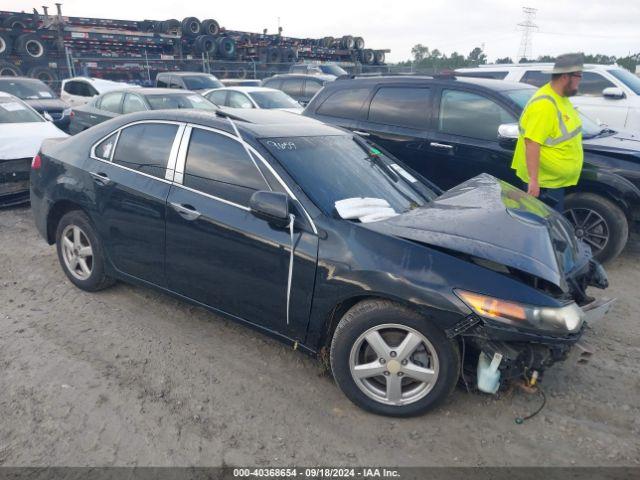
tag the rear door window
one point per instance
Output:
(218, 97)
(104, 149)
(175, 82)
(238, 100)
(219, 166)
(162, 81)
(275, 83)
(133, 103)
(401, 106)
(471, 115)
(146, 147)
(345, 103)
(111, 102)
(311, 87)
(536, 78)
(292, 86)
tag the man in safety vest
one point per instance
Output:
(548, 155)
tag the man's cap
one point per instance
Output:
(568, 63)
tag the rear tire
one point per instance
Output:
(606, 219)
(80, 252)
(430, 368)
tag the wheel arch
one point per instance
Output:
(334, 316)
(56, 212)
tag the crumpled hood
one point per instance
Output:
(490, 219)
(23, 140)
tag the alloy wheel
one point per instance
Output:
(77, 252)
(590, 227)
(394, 364)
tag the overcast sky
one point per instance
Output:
(593, 26)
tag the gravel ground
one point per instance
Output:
(129, 376)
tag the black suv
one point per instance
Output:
(447, 129)
(298, 86)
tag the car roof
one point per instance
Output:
(249, 89)
(491, 84)
(258, 123)
(181, 74)
(157, 91)
(21, 79)
(300, 75)
(507, 66)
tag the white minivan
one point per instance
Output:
(608, 94)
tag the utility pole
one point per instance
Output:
(528, 27)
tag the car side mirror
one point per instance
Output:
(270, 206)
(613, 93)
(508, 134)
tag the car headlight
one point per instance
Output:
(66, 112)
(565, 319)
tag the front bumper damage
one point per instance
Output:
(512, 354)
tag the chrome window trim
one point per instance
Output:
(170, 161)
(182, 156)
(170, 169)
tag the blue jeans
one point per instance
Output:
(553, 197)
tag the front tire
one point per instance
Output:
(598, 222)
(392, 361)
(80, 252)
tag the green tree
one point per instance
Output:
(504, 60)
(477, 57)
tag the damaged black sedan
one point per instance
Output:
(319, 238)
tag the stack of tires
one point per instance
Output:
(29, 47)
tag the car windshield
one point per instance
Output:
(334, 168)
(333, 70)
(273, 99)
(27, 89)
(200, 82)
(590, 128)
(171, 101)
(15, 111)
(628, 78)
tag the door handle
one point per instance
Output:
(362, 134)
(441, 145)
(100, 178)
(186, 211)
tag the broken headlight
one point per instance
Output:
(563, 319)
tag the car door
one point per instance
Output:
(465, 139)
(398, 119)
(131, 174)
(220, 254)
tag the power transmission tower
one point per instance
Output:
(528, 27)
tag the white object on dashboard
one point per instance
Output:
(364, 209)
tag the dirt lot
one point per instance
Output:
(132, 377)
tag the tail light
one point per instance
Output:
(36, 163)
(72, 114)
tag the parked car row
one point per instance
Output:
(340, 238)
